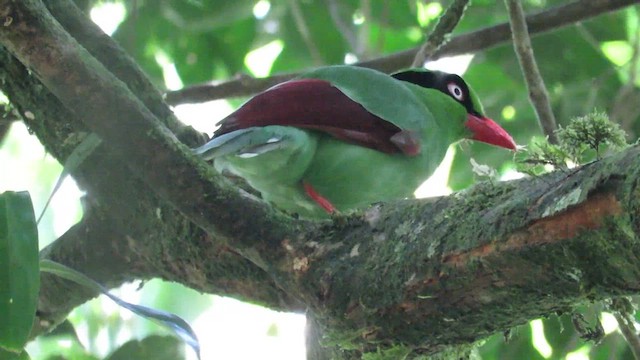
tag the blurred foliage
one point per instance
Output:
(152, 347)
(585, 66)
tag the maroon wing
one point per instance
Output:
(317, 105)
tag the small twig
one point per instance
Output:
(589, 38)
(345, 27)
(623, 312)
(365, 29)
(596, 85)
(537, 90)
(383, 22)
(586, 332)
(625, 107)
(9, 117)
(444, 27)
(5, 125)
(635, 60)
(301, 24)
(628, 331)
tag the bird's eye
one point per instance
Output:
(455, 91)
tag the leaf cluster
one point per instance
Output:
(592, 132)
(585, 139)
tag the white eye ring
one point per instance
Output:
(455, 91)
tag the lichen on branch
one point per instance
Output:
(585, 139)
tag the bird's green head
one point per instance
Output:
(479, 127)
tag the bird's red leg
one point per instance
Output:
(323, 202)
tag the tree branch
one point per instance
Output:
(125, 224)
(625, 105)
(344, 25)
(410, 274)
(627, 328)
(466, 43)
(537, 89)
(98, 247)
(303, 29)
(623, 312)
(119, 63)
(84, 86)
(447, 22)
(123, 201)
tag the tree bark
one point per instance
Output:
(408, 278)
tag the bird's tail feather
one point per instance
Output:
(243, 143)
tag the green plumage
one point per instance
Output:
(276, 160)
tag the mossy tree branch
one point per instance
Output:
(131, 212)
(124, 214)
(411, 275)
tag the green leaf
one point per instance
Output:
(519, 346)
(324, 44)
(173, 322)
(81, 152)
(61, 345)
(19, 274)
(203, 39)
(561, 335)
(613, 346)
(152, 347)
(8, 355)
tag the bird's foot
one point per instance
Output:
(319, 199)
(339, 219)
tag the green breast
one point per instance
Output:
(352, 176)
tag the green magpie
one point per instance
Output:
(342, 137)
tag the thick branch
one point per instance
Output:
(426, 275)
(98, 247)
(624, 312)
(128, 230)
(133, 215)
(466, 43)
(107, 51)
(410, 274)
(84, 86)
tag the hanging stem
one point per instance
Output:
(444, 27)
(537, 91)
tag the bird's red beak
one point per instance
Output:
(488, 131)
